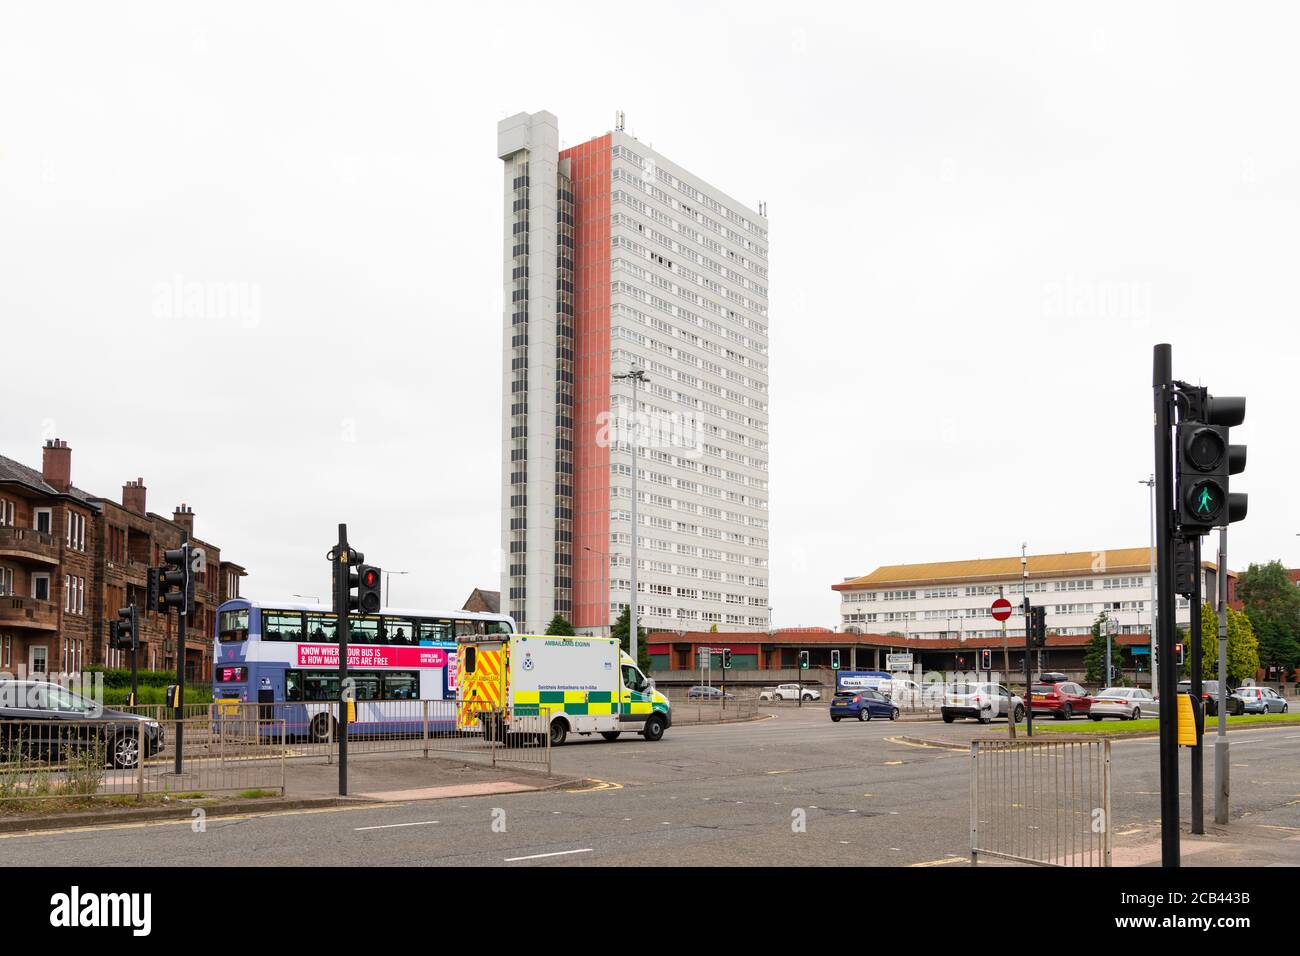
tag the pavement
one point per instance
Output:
(792, 788)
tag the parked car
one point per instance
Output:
(981, 701)
(1062, 700)
(46, 722)
(791, 692)
(1126, 703)
(1210, 697)
(1260, 700)
(704, 692)
(862, 704)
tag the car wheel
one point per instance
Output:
(1137, 714)
(125, 751)
(807, 696)
(654, 728)
(1096, 717)
(1020, 713)
(1065, 713)
(834, 719)
(893, 714)
(948, 718)
(986, 719)
(559, 733)
(610, 735)
(1284, 707)
(864, 713)
(323, 728)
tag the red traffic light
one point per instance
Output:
(370, 578)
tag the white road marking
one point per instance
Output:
(539, 856)
(394, 826)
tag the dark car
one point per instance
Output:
(45, 721)
(1062, 700)
(704, 692)
(1210, 697)
(1053, 677)
(863, 704)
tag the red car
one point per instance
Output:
(1062, 701)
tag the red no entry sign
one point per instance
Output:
(1001, 609)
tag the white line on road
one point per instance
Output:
(394, 826)
(538, 856)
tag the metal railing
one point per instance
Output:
(377, 727)
(86, 759)
(740, 705)
(1041, 802)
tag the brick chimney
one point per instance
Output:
(56, 464)
(133, 496)
(184, 516)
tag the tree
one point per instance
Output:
(560, 626)
(1272, 603)
(621, 631)
(1243, 646)
(1094, 655)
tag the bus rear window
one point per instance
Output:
(233, 625)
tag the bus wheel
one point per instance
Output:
(559, 731)
(654, 729)
(323, 728)
(610, 735)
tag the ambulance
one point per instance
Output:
(523, 684)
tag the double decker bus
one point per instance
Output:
(285, 657)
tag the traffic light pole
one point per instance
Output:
(135, 653)
(1198, 753)
(1221, 740)
(179, 713)
(1029, 690)
(343, 631)
(1162, 388)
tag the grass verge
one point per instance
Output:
(1151, 725)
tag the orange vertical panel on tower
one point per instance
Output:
(590, 175)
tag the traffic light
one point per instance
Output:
(368, 582)
(1178, 651)
(124, 633)
(1185, 569)
(726, 658)
(154, 600)
(803, 660)
(1205, 460)
(1037, 625)
(835, 658)
(986, 659)
(175, 586)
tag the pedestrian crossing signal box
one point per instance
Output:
(1191, 721)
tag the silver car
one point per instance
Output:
(1126, 703)
(1261, 700)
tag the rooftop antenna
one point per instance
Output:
(619, 120)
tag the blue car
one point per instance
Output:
(862, 704)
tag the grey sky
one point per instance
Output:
(982, 218)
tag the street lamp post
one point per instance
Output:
(1151, 484)
(637, 377)
(388, 583)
